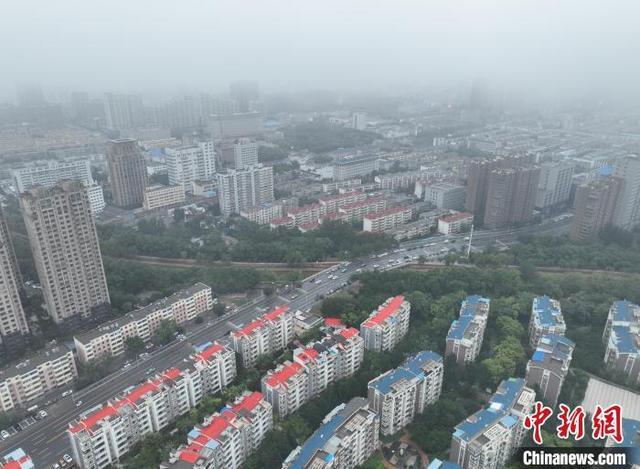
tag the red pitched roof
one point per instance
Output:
(209, 352)
(281, 376)
(171, 373)
(252, 326)
(190, 454)
(387, 310)
(248, 402)
(348, 333)
(333, 322)
(89, 422)
(308, 354)
(279, 311)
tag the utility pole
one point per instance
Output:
(470, 238)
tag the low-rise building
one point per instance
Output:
(393, 181)
(285, 222)
(31, 378)
(337, 185)
(226, 438)
(331, 203)
(262, 214)
(546, 318)
(157, 197)
(16, 459)
(621, 339)
(109, 339)
(347, 437)
(306, 214)
(414, 229)
(387, 219)
(548, 367)
(356, 211)
(387, 325)
(399, 394)
(466, 333)
(269, 333)
(455, 223)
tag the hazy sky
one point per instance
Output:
(174, 45)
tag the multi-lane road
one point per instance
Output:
(46, 441)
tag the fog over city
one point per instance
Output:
(549, 48)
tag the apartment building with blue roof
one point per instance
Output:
(347, 437)
(546, 318)
(621, 338)
(465, 336)
(548, 367)
(399, 394)
(488, 438)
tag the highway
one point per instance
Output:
(46, 441)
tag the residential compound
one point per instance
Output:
(127, 173)
(488, 438)
(621, 339)
(595, 203)
(347, 437)
(188, 164)
(33, 377)
(267, 334)
(314, 367)
(455, 223)
(226, 438)
(64, 243)
(466, 333)
(239, 189)
(387, 325)
(109, 339)
(102, 435)
(387, 219)
(399, 394)
(546, 318)
(548, 367)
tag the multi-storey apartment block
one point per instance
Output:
(347, 437)
(356, 211)
(548, 366)
(226, 438)
(387, 325)
(546, 318)
(127, 172)
(621, 338)
(189, 164)
(156, 197)
(239, 189)
(399, 394)
(262, 214)
(331, 203)
(315, 366)
(267, 334)
(465, 336)
(102, 435)
(33, 377)
(387, 219)
(488, 438)
(109, 339)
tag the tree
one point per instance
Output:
(134, 346)
(219, 308)
(178, 215)
(165, 332)
(268, 290)
(337, 305)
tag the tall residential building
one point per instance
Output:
(245, 153)
(226, 438)
(244, 188)
(465, 336)
(268, 334)
(445, 195)
(192, 163)
(477, 185)
(627, 213)
(511, 196)
(127, 172)
(52, 172)
(387, 325)
(123, 111)
(546, 318)
(347, 437)
(64, 242)
(399, 394)
(359, 120)
(621, 339)
(595, 206)
(548, 367)
(13, 322)
(488, 438)
(554, 185)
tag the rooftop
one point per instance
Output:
(261, 321)
(385, 311)
(625, 311)
(507, 393)
(456, 217)
(547, 311)
(459, 327)
(30, 363)
(283, 373)
(411, 369)
(387, 212)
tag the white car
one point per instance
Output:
(67, 393)
(68, 459)
(4, 434)
(42, 414)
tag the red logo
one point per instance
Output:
(571, 422)
(607, 422)
(536, 420)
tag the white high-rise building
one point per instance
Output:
(554, 184)
(245, 153)
(359, 120)
(387, 325)
(191, 163)
(627, 214)
(244, 188)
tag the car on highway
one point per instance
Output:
(67, 393)
(4, 434)
(68, 459)
(78, 404)
(42, 414)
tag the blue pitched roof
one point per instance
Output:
(478, 422)
(507, 393)
(410, 369)
(630, 433)
(623, 339)
(458, 327)
(622, 311)
(470, 304)
(415, 363)
(317, 440)
(439, 464)
(546, 312)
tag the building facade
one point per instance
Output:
(456, 223)
(356, 166)
(189, 164)
(546, 318)
(387, 325)
(387, 219)
(244, 188)
(627, 213)
(245, 153)
(445, 195)
(511, 196)
(621, 338)
(595, 206)
(157, 197)
(127, 172)
(465, 336)
(554, 185)
(64, 242)
(548, 367)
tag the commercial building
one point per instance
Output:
(554, 185)
(189, 164)
(511, 196)
(127, 173)
(465, 336)
(456, 223)
(355, 166)
(627, 214)
(546, 318)
(244, 188)
(488, 438)
(595, 207)
(157, 197)
(621, 338)
(399, 394)
(268, 334)
(13, 322)
(245, 153)
(387, 325)
(548, 367)
(315, 366)
(387, 219)
(347, 437)
(109, 339)
(226, 438)
(64, 243)
(445, 195)
(262, 214)
(33, 377)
